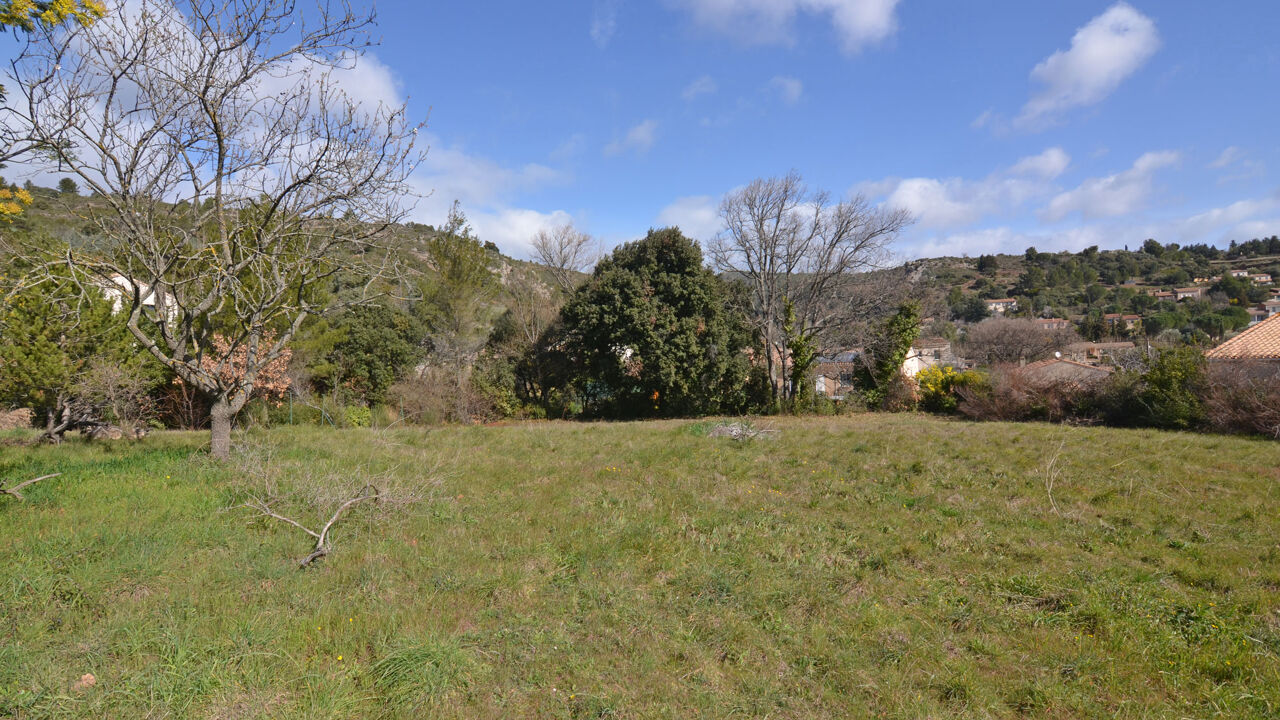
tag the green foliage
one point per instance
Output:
(1172, 386)
(938, 385)
(371, 346)
(51, 336)
(358, 416)
(804, 355)
(652, 333)
(970, 309)
(886, 352)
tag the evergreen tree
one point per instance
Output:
(654, 333)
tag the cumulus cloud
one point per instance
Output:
(1103, 53)
(1113, 195)
(638, 139)
(957, 202)
(788, 89)
(487, 191)
(857, 23)
(704, 85)
(604, 22)
(698, 216)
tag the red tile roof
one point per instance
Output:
(1260, 342)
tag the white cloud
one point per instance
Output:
(698, 216)
(1242, 220)
(638, 139)
(788, 89)
(704, 85)
(1113, 195)
(1049, 164)
(1228, 156)
(858, 23)
(1104, 52)
(956, 202)
(604, 22)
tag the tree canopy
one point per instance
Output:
(653, 333)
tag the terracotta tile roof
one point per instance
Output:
(1058, 370)
(1260, 342)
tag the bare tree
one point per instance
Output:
(805, 261)
(567, 251)
(236, 176)
(1010, 340)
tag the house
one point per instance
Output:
(1116, 320)
(119, 289)
(1261, 279)
(1257, 315)
(1053, 323)
(834, 379)
(1002, 305)
(929, 352)
(1239, 273)
(1097, 352)
(1164, 295)
(1188, 293)
(1272, 306)
(1059, 371)
(1261, 342)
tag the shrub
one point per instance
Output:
(939, 385)
(1171, 388)
(358, 416)
(1242, 397)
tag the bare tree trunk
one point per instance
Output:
(220, 415)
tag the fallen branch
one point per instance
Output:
(322, 546)
(1051, 477)
(14, 490)
(739, 431)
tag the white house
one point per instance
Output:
(119, 289)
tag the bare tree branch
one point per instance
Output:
(237, 179)
(567, 252)
(794, 247)
(13, 491)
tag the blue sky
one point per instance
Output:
(1000, 124)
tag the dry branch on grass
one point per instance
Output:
(322, 538)
(324, 495)
(740, 431)
(13, 491)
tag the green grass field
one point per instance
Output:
(867, 566)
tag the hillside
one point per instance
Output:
(870, 566)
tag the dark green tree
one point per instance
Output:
(970, 308)
(654, 333)
(67, 186)
(376, 344)
(52, 335)
(884, 355)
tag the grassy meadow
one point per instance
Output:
(868, 566)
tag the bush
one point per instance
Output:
(1242, 397)
(939, 385)
(1005, 394)
(1171, 388)
(357, 416)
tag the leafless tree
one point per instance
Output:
(566, 251)
(1011, 340)
(236, 176)
(795, 248)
